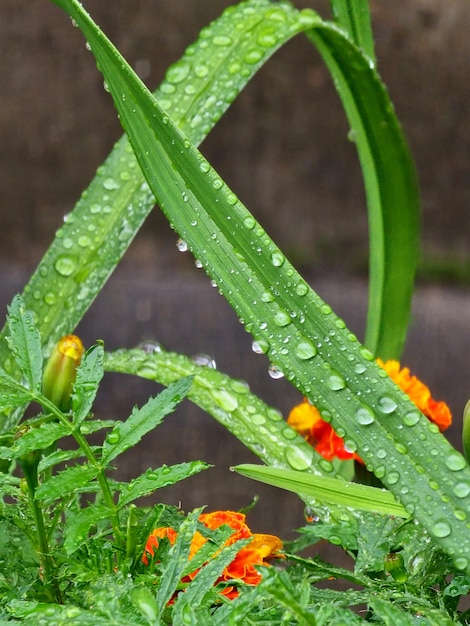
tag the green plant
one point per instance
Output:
(299, 333)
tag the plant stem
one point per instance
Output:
(29, 465)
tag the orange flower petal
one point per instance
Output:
(419, 394)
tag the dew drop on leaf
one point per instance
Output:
(462, 489)
(365, 415)
(455, 462)
(387, 405)
(182, 245)
(305, 350)
(299, 458)
(441, 528)
(65, 265)
(411, 418)
(204, 359)
(275, 372)
(336, 382)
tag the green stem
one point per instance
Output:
(29, 465)
(76, 433)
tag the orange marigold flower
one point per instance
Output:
(419, 394)
(307, 421)
(260, 548)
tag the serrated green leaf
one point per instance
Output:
(141, 421)
(58, 456)
(66, 482)
(39, 437)
(279, 586)
(154, 479)
(374, 543)
(326, 490)
(177, 560)
(206, 577)
(25, 342)
(88, 377)
(78, 525)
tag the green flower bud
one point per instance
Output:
(395, 566)
(466, 431)
(60, 371)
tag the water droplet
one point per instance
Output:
(359, 368)
(461, 562)
(65, 265)
(392, 478)
(222, 40)
(282, 318)
(258, 419)
(299, 458)
(366, 354)
(253, 56)
(455, 462)
(249, 222)
(182, 245)
(205, 360)
(365, 415)
(411, 418)
(289, 433)
(461, 490)
(460, 515)
(275, 372)
(201, 71)
(228, 401)
(274, 414)
(336, 382)
(277, 258)
(301, 289)
(113, 438)
(260, 346)
(198, 264)
(267, 297)
(387, 405)
(441, 528)
(110, 184)
(149, 346)
(177, 72)
(84, 241)
(399, 447)
(267, 39)
(50, 298)
(305, 350)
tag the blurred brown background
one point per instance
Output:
(283, 148)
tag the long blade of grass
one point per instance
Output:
(302, 337)
(391, 190)
(354, 17)
(325, 489)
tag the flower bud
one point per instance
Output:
(60, 371)
(395, 566)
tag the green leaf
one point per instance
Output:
(354, 17)
(326, 490)
(230, 402)
(301, 335)
(88, 377)
(281, 589)
(66, 482)
(176, 560)
(78, 525)
(154, 479)
(39, 437)
(391, 190)
(205, 580)
(141, 421)
(25, 342)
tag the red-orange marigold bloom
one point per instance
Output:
(419, 394)
(242, 568)
(307, 421)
